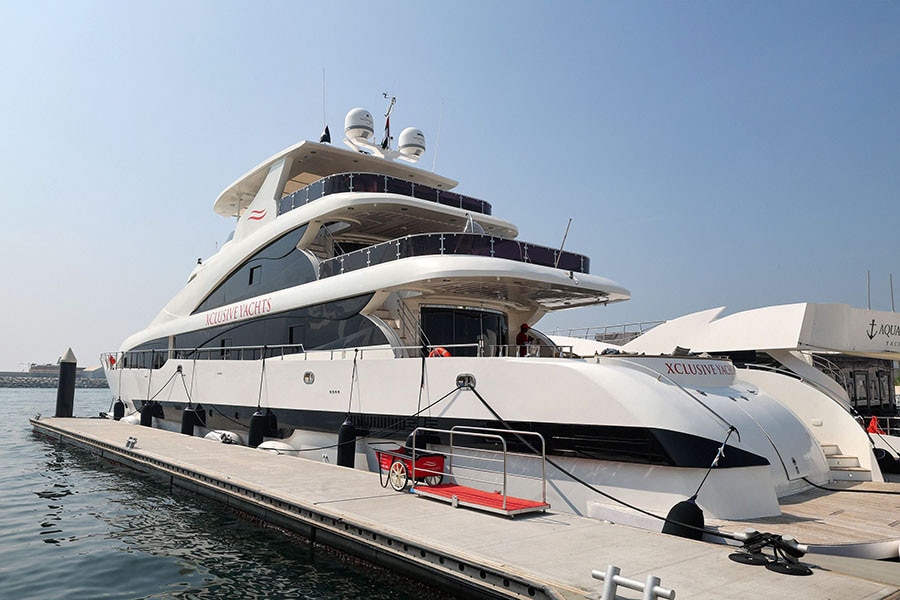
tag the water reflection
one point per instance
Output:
(125, 535)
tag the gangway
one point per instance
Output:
(405, 464)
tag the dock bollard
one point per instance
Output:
(65, 390)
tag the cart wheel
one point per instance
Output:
(398, 476)
(434, 480)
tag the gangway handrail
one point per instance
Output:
(472, 428)
(452, 446)
(484, 434)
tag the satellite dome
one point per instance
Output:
(359, 124)
(412, 142)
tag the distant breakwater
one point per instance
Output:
(26, 381)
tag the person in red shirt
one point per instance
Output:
(522, 340)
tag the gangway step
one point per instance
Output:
(460, 495)
(842, 460)
(850, 474)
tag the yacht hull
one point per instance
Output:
(620, 424)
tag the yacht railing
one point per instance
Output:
(156, 358)
(409, 326)
(379, 184)
(611, 334)
(472, 244)
(820, 365)
(488, 350)
(890, 425)
(829, 368)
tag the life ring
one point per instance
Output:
(438, 352)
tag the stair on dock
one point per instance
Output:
(844, 467)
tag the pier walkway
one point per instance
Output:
(475, 554)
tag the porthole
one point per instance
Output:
(465, 380)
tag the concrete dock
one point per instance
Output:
(474, 554)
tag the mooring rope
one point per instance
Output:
(594, 489)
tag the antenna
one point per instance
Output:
(868, 292)
(324, 118)
(437, 139)
(565, 235)
(891, 278)
(386, 142)
(325, 138)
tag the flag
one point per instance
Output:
(325, 138)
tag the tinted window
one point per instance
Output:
(148, 355)
(335, 324)
(276, 267)
(468, 332)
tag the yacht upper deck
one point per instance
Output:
(311, 162)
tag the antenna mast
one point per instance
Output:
(386, 142)
(438, 138)
(565, 235)
(868, 292)
(891, 276)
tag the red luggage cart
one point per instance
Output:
(399, 465)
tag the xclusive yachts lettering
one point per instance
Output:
(682, 368)
(241, 311)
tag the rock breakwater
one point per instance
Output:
(26, 381)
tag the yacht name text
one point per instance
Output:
(241, 311)
(888, 330)
(680, 368)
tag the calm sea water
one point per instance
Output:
(75, 527)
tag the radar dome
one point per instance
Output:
(359, 124)
(412, 142)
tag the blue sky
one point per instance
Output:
(735, 154)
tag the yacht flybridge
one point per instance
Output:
(358, 288)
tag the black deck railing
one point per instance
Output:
(472, 244)
(374, 183)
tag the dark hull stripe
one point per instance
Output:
(641, 445)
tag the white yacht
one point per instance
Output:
(785, 349)
(359, 288)
(794, 353)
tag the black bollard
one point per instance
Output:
(65, 391)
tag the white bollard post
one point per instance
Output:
(609, 583)
(612, 580)
(650, 588)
